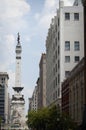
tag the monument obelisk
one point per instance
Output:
(17, 102)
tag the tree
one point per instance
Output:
(49, 119)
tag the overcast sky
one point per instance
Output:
(31, 18)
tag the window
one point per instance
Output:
(58, 64)
(58, 21)
(67, 45)
(58, 36)
(77, 58)
(67, 73)
(58, 78)
(56, 54)
(56, 41)
(56, 81)
(76, 46)
(56, 28)
(76, 16)
(67, 58)
(67, 16)
(58, 50)
(58, 92)
(56, 67)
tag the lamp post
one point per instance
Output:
(84, 114)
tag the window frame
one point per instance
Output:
(67, 47)
(76, 16)
(76, 60)
(66, 59)
(67, 73)
(67, 16)
(76, 45)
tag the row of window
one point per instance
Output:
(76, 59)
(67, 16)
(55, 94)
(76, 46)
(67, 48)
(67, 60)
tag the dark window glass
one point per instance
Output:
(67, 16)
(76, 16)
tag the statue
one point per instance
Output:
(18, 39)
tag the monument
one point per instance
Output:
(17, 101)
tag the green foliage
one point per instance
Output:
(0, 119)
(0, 122)
(49, 119)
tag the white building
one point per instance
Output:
(64, 47)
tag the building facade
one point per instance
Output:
(4, 114)
(33, 101)
(42, 81)
(38, 99)
(73, 93)
(30, 104)
(64, 48)
(77, 92)
(65, 96)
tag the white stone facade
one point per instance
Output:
(64, 48)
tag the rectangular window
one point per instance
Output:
(67, 73)
(76, 16)
(67, 59)
(67, 16)
(56, 67)
(58, 92)
(67, 45)
(58, 50)
(58, 21)
(56, 27)
(56, 41)
(56, 54)
(58, 64)
(58, 36)
(77, 58)
(56, 81)
(76, 46)
(58, 78)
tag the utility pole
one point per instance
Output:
(83, 127)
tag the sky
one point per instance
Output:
(31, 18)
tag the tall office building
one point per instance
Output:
(4, 97)
(33, 102)
(17, 102)
(64, 48)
